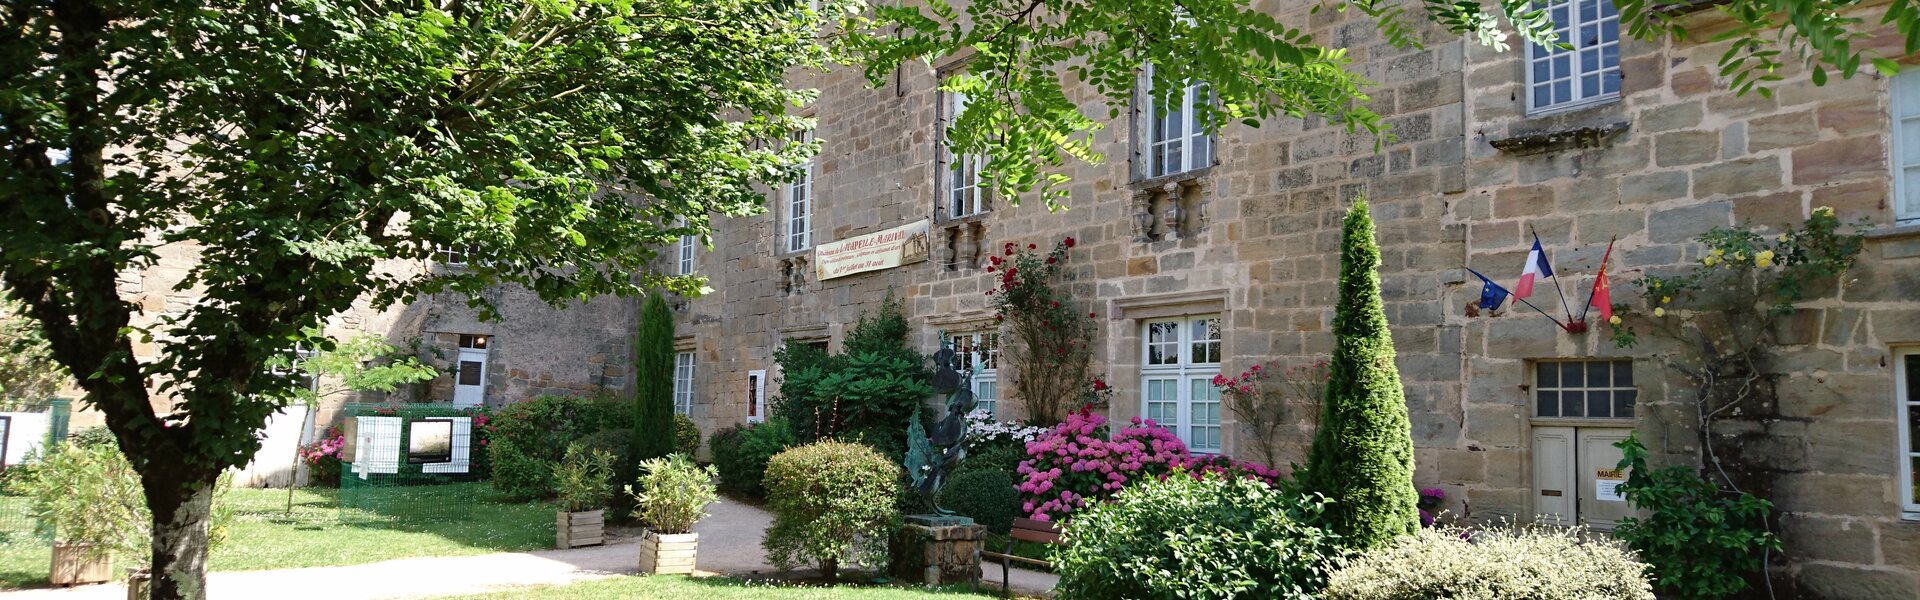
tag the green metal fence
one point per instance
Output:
(410, 463)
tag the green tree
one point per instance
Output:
(1362, 455)
(653, 434)
(299, 148)
(1027, 53)
(28, 373)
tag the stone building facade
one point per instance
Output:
(1651, 150)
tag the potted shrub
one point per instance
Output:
(670, 496)
(584, 483)
(89, 499)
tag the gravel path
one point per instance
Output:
(729, 545)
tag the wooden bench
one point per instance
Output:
(1025, 530)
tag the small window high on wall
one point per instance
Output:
(1174, 140)
(799, 196)
(1179, 358)
(1561, 79)
(960, 175)
(1584, 389)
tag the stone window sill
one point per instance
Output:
(1559, 138)
(1910, 228)
(1140, 185)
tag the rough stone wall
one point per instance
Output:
(1676, 155)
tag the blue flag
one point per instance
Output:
(1491, 294)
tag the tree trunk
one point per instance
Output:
(181, 511)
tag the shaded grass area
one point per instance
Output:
(716, 588)
(459, 519)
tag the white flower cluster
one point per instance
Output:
(982, 428)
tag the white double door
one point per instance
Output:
(1575, 476)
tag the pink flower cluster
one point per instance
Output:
(1077, 463)
(327, 447)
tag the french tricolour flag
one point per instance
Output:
(1537, 268)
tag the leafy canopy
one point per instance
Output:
(1021, 58)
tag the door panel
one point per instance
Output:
(1553, 480)
(1598, 458)
(470, 386)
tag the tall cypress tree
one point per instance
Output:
(1362, 456)
(653, 382)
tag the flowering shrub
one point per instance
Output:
(1048, 340)
(323, 458)
(1429, 504)
(983, 430)
(1077, 464)
(1533, 562)
(1267, 400)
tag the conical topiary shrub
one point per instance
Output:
(1362, 455)
(653, 426)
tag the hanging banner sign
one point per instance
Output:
(903, 245)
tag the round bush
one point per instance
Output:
(987, 495)
(686, 435)
(833, 505)
(1524, 563)
(1184, 537)
(741, 454)
(528, 439)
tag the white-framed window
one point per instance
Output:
(296, 369)
(683, 382)
(1174, 140)
(1179, 358)
(1584, 389)
(982, 350)
(1906, 146)
(1906, 391)
(800, 203)
(452, 256)
(1586, 75)
(683, 252)
(960, 177)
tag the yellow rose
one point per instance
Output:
(1764, 259)
(1615, 320)
(1719, 252)
(1666, 299)
(1782, 239)
(1824, 211)
(1711, 260)
(1659, 312)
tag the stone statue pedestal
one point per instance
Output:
(939, 550)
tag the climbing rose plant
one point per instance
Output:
(1050, 341)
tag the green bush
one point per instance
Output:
(1702, 542)
(1362, 453)
(1193, 538)
(986, 495)
(833, 505)
(584, 480)
(1522, 563)
(672, 493)
(528, 439)
(879, 381)
(686, 435)
(92, 437)
(1003, 455)
(653, 363)
(741, 454)
(91, 494)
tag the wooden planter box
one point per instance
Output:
(576, 529)
(669, 554)
(71, 567)
(137, 580)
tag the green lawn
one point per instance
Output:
(716, 588)
(442, 520)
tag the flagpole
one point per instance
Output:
(1483, 278)
(1556, 279)
(1603, 273)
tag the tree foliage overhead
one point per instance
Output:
(1023, 57)
(28, 373)
(290, 147)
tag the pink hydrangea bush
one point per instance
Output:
(1077, 463)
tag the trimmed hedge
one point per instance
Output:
(686, 435)
(833, 505)
(528, 439)
(987, 495)
(1522, 563)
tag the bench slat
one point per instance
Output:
(1007, 557)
